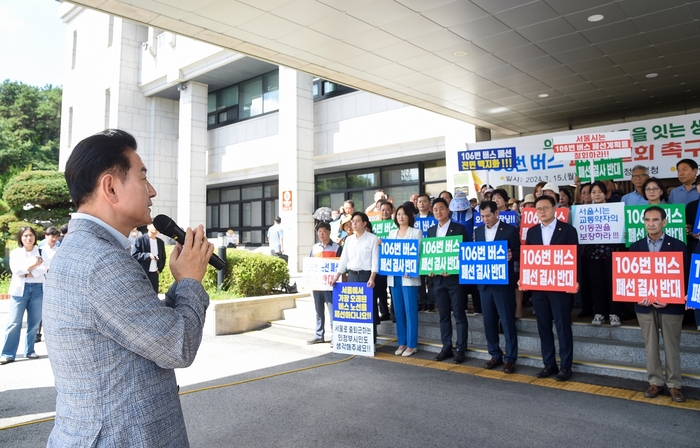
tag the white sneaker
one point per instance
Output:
(615, 320)
(598, 319)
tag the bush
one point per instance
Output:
(45, 191)
(247, 274)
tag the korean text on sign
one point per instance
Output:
(602, 169)
(648, 275)
(508, 217)
(529, 219)
(438, 255)
(484, 263)
(486, 159)
(694, 283)
(353, 330)
(382, 228)
(398, 257)
(423, 224)
(634, 222)
(600, 223)
(548, 268)
(599, 145)
(319, 272)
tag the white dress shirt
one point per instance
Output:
(490, 234)
(442, 230)
(360, 254)
(548, 232)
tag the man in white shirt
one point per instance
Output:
(149, 251)
(275, 237)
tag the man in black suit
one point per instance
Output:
(449, 293)
(499, 300)
(653, 315)
(149, 251)
(551, 305)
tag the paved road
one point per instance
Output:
(361, 402)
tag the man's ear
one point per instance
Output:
(107, 188)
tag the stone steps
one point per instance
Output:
(601, 350)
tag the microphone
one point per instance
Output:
(165, 225)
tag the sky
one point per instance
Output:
(31, 42)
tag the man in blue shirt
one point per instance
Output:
(640, 174)
(687, 170)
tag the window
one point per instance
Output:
(75, 49)
(110, 33)
(107, 105)
(70, 126)
(251, 98)
(323, 89)
(248, 209)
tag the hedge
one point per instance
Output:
(247, 274)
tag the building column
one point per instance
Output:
(296, 170)
(192, 155)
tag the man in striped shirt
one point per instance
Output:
(325, 248)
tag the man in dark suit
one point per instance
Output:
(499, 300)
(553, 305)
(149, 251)
(449, 293)
(653, 315)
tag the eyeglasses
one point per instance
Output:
(652, 189)
(543, 209)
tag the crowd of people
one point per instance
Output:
(501, 305)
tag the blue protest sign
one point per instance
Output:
(694, 283)
(486, 159)
(483, 263)
(353, 328)
(398, 257)
(423, 224)
(508, 217)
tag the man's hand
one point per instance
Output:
(510, 254)
(658, 305)
(645, 302)
(189, 259)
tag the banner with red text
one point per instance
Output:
(548, 268)
(652, 275)
(529, 219)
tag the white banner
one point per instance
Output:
(318, 273)
(657, 144)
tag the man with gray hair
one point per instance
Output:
(640, 174)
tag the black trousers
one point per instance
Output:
(153, 277)
(381, 295)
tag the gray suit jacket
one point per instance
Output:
(113, 345)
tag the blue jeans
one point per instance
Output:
(405, 300)
(30, 301)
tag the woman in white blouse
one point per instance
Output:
(26, 289)
(404, 290)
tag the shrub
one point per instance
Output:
(45, 191)
(247, 274)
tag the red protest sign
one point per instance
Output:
(548, 268)
(653, 275)
(529, 219)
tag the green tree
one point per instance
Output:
(30, 126)
(39, 196)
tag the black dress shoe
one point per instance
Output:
(509, 368)
(443, 355)
(564, 375)
(460, 357)
(547, 372)
(383, 318)
(315, 341)
(494, 362)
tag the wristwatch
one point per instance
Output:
(26, 275)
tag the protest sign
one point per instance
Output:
(423, 224)
(592, 146)
(353, 328)
(548, 268)
(652, 275)
(529, 218)
(484, 263)
(602, 169)
(634, 222)
(599, 223)
(694, 283)
(382, 228)
(398, 257)
(438, 255)
(318, 273)
(508, 217)
(486, 159)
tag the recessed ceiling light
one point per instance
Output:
(460, 53)
(543, 95)
(596, 18)
(652, 75)
(497, 110)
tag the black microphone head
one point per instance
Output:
(165, 225)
